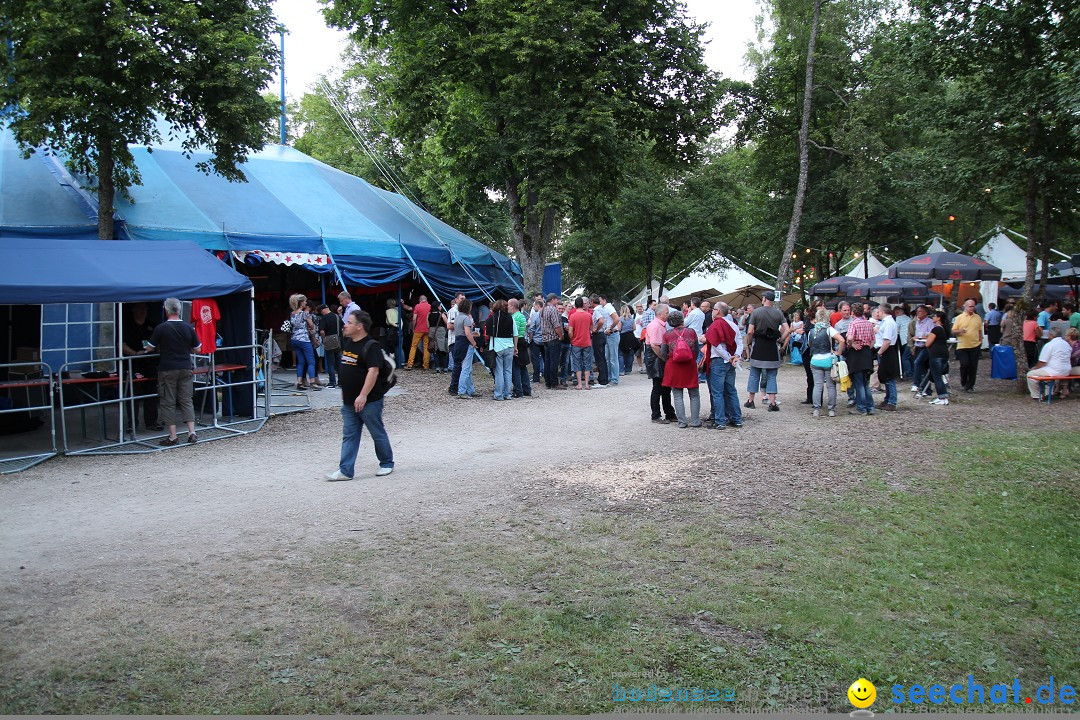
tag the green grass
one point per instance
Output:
(970, 568)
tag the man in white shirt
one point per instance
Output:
(348, 303)
(601, 321)
(1053, 361)
(612, 328)
(888, 354)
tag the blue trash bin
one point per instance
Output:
(1002, 362)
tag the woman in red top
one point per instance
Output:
(680, 371)
(1031, 334)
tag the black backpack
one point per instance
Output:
(387, 373)
(820, 342)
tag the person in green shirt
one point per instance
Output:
(519, 376)
(1069, 311)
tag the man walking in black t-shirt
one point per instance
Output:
(362, 390)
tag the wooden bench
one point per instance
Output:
(1046, 384)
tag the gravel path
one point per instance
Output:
(91, 524)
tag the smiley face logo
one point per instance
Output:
(862, 693)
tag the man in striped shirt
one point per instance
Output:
(860, 359)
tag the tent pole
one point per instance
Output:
(322, 286)
(120, 367)
(470, 266)
(334, 265)
(510, 275)
(419, 271)
(399, 354)
(255, 361)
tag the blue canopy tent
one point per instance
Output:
(50, 271)
(291, 203)
(40, 271)
(37, 199)
(72, 279)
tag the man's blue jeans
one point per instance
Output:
(552, 348)
(536, 352)
(725, 398)
(754, 382)
(612, 354)
(519, 374)
(564, 363)
(860, 383)
(922, 366)
(890, 391)
(353, 424)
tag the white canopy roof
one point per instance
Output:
(709, 284)
(871, 268)
(1002, 252)
(936, 245)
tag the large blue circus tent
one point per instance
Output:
(292, 210)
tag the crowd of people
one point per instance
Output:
(589, 344)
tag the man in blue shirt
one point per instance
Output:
(1044, 318)
(993, 325)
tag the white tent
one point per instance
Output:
(1002, 252)
(938, 245)
(703, 284)
(867, 267)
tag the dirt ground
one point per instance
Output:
(90, 544)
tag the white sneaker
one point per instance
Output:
(599, 386)
(914, 388)
(940, 401)
(337, 475)
(383, 471)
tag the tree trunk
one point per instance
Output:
(528, 239)
(784, 273)
(649, 264)
(1044, 241)
(1013, 336)
(1020, 307)
(106, 188)
(664, 274)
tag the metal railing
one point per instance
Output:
(281, 396)
(18, 461)
(214, 383)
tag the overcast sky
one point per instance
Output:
(312, 49)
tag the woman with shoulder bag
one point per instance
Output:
(303, 330)
(825, 346)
